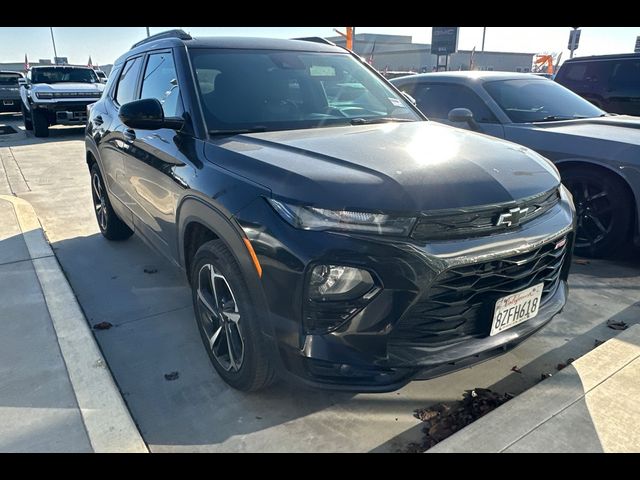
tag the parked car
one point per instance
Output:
(57, 95)
(610, 82)
(343, 241)
(597, 154)
(9, 91)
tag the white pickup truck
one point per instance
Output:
(57, 94)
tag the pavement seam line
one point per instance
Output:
(584, 394)
(19, 168)
(25, 260)
(106, 418)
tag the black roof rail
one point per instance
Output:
(176, 33)
(316, 40)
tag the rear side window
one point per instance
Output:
(161, 82)
(126, 89)
(626, 75)
(436, 100)
(576, 72)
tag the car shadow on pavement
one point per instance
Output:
(154, 334)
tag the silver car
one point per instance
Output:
(597, 153)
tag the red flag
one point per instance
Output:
(90, 64)
(26, 63)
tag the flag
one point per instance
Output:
(26, 63)
(90, 63)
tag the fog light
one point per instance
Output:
(336, 282)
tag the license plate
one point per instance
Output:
(7, 102)
(516, 308)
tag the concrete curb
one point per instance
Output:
(498, 431)
(106, 418)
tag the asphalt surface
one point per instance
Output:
(154, 332)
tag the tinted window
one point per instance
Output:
(287, 89)
(9, 79)
(63, 75)
(438, 99)
(126, 90)
(626, 75)
(539, 100)
(160, 81)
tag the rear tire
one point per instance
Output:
(603, 207)
(227, 319)
(40, 124)
(111, 227)
(28, 124)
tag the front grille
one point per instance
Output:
(477, 221)
(460, 302)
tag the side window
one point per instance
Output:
(436, 100)
(625, 75)
(126, 89)
(576, 72)
(161, 82)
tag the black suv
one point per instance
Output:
(329, 232)
(610, 82)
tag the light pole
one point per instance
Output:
(484, 32)
(148, 34)
(53, 40)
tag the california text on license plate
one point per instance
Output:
(516, 308)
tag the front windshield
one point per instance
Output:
(63, 75)
(279, 90)
(538, 100)
(10, 79)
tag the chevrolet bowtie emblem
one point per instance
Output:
(512, 217)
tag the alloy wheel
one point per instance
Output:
(219, 318)
(99, 201)
(594, 212)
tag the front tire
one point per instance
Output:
(110, 224)
(227, 320)
(40, 124)
(28, 124)
(603, 208)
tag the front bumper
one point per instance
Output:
(366, 354)
(9, 103)
(64, 113)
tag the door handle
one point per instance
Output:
(98, 120)
(129, 135)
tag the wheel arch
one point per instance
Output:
(199, 221)
(609, 169)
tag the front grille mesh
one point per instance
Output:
(461, 300)
(464, 223)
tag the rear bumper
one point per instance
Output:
(9, 104)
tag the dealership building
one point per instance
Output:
(398, 52)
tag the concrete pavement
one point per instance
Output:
(56, 392)
(590, 406)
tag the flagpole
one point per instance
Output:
(53, 40)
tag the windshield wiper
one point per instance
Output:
(553, 118)
(238, 131)
(370, 121)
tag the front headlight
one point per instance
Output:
(312, 218)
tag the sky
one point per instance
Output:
(105, 44)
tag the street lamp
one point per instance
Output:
(53, 40)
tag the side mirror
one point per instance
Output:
(147, 114)
(23, 82)
(409, 97)
(465, 115)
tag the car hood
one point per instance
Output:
(69, 87)
(395, 167)
(616, 137)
